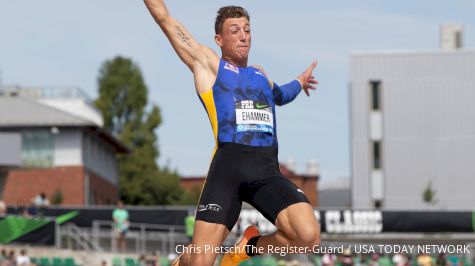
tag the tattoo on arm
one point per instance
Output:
(183, 37)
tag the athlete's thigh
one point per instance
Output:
(220, 202)
(272, 195)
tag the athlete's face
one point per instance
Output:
(235, 40)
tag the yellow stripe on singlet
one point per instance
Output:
(208, 100)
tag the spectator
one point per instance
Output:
(121, 224)
(410, 259)
(3, 209)
(171, 257)
(441, 260)
(328, 259)
(346, 258)
(20, 207)
(142, 260)
(5, 259)
(424, 260)
(3, 255)
(23, 259)
(399, 259)
(374, 260)
(454, 260)
(363, 261)
(190, 224)
(41, 203)
(10, 258)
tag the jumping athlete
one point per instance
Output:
(240, 101)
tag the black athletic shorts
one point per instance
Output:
(244, 173)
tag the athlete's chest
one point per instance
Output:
(242, 84)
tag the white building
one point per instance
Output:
(413, 128)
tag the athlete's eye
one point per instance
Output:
(234, 30)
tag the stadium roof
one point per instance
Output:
(23, 112)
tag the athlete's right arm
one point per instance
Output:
(192, 53)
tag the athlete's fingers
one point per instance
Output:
(309, 70)
(307, 88)
(306, 92)
(312, 66)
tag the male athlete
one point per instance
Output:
(240, 101)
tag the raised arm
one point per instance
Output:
(188, 49)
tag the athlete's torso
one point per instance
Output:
(241, 106)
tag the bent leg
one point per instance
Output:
(297, 226)
(284, 204)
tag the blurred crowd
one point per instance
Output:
(36, 206)
(348, 259)
(9, 258)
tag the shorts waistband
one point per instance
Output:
(238, 146)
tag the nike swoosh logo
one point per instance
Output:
(259, 106)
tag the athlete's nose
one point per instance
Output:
(242, 35)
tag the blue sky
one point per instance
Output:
(63, 43)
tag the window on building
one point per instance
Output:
(378, 204)
(375, 87)
(377, 155)
(3, 179)
(458, 39)
(37, 148)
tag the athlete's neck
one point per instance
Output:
(239, 63)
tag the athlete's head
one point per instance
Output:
(233, 33)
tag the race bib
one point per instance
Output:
(253, 116)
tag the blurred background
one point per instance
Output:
(96, 108)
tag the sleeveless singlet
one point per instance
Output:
(241, 106)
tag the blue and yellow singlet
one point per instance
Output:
(241, 106)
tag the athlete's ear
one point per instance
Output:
(218, 39)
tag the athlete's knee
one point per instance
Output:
(305, 236)
(309, 235)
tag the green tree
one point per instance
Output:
(57, 197)
(123, 104)
(428, 195)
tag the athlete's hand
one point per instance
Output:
(307, 80)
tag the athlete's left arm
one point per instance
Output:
(288, 92)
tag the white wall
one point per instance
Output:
(67, 147)
(10, 149)
(428, 116)
(100, 158)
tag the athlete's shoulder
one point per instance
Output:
(205, 70)
(208, 58)
(260, 71)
